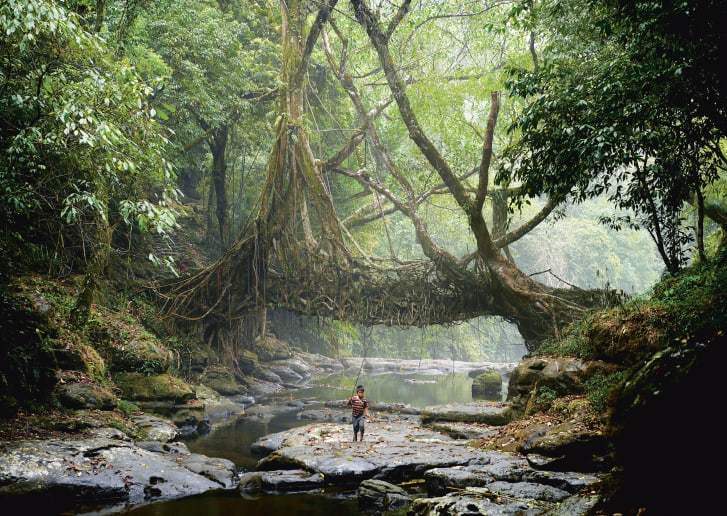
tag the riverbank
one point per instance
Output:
(88, 458)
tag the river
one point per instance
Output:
(232, 441)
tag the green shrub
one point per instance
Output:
(543, 399)
(600, 387)
(127, 408)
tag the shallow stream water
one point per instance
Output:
(232, 441)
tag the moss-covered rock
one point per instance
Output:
(222, 380)
(271, 348)
(539, 377)
(487, 385)
(626, 336)
(247, 361)
(161, 387)
(142, 355)
(125, 344)
(85, 395)
(76, 356)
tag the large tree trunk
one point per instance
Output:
(277, 262)
(95, 271)
(218, 147)
(538, 310)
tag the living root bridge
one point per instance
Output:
(299, 255)
(311, 282)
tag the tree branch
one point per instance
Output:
(323, 14)
(396, 20)
(369, 21)
(484, 170)
(522, 230)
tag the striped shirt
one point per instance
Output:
(357, 405)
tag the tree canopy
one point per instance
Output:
(488, 152)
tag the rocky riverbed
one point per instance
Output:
(401, 447)
(417, 457)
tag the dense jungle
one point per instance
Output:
(488, 236)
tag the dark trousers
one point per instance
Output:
(358, 424)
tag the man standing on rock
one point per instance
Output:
(359, 411)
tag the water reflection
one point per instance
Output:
(416, 390)
(233, 442)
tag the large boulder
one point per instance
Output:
(84, 395)
(65, 473)
(476, 412)
(161, 387)
(568, 446)
(487, 385)
(222, 471)
(267, 444)
(562, 375)
(380, 496)
(271, 348)
(297, 364)
(222, 380)
(264, 373)
(290, 480)
(155, 428)
(285, 373)
(247, 361)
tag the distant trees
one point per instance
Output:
(217, 60)
(628, 102)
(83, 159)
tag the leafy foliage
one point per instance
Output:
(79, 141)
(600, 389)
(611, 112)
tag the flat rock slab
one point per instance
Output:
(393, 451)
(294, 480)
(489, 412)
(107, 470)
(394, 408)
(474, 501)
(156, 428)
(268, 443)
(496, 469)
(343, 415)
(575, 506)
(216, 469)
(528, 490)
(325, 414)
(470, 504)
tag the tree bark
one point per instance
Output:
(100, 15)
(218, 147)
(94, 272)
